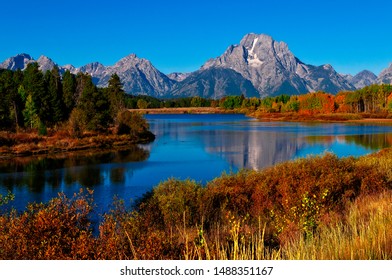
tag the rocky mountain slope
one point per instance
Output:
(385, 76)
(214, 83)
(273, 69)
(363, 79)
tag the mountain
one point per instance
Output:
(363, 79)
(257, 66)
(19, 61)
(273, 69)
(138, 75)
(178, 77)
(214, 83)
(45, 63)
(385, 76)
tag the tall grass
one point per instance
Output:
(366, 234)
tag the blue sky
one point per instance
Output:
(181, 35)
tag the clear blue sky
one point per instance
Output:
(181, 35)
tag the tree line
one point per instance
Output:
(371, 99)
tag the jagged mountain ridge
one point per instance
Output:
(363, 79)
(272, 68)
(385, 76)
(257, 66)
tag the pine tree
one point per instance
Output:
(69, 92)
(33, 83)
(116, 95)
(5, 98)
(30, 113)
(55, 96)
(93, 104)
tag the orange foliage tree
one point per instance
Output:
(316, 103)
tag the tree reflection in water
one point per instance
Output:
(84, 168)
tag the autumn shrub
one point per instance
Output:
(293, 198)
(179, 202)
(76, 123)
(133, 124)
(309, 191)
(59, 229)
(230, 193)
(160, 226)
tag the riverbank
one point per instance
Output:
(332, 117)
(183, 110)
(31, 144)
(292, 117)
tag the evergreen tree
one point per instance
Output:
(116, 95)
(10, 102)
(33, 83)
(30, 113)
(55, 96)
(17, 102)
(93, 104)
(69, 92)
(5, 87)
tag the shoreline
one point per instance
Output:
(30, 144)
(290, 117)
(182, 110)
(53, 146)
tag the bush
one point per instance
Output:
(76, 123)
(57, 230)
(133, 124)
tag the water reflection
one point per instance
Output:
(371, 141)
(259, 148)
(247, 143)
(252, 149)
(40, 178)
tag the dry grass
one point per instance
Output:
(365, 234)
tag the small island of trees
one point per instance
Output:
(50, 107)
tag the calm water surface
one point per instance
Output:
(199, 147)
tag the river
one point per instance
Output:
(198, 147)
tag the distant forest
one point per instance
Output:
(375, 99)
(34, 100)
